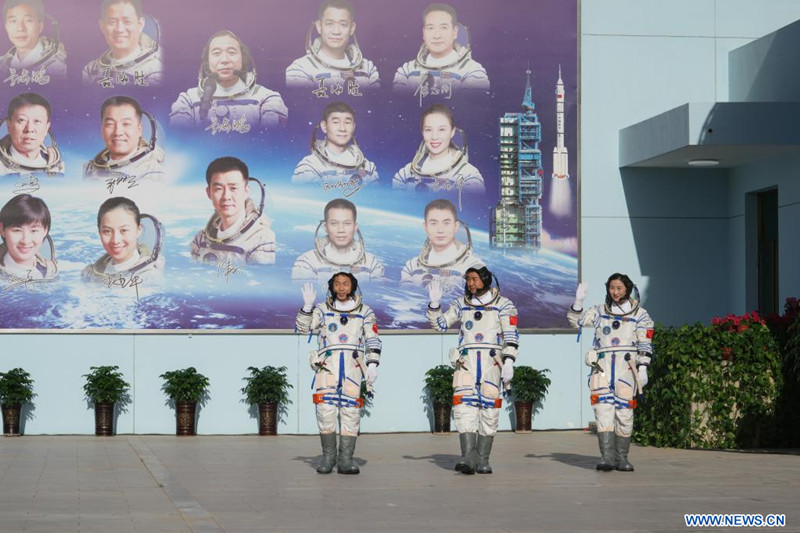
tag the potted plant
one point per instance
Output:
(268, 388)
(105, 387)
(16, 389)
(185, 388)
(528, 386)
(439, 390)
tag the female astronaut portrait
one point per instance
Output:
(25, 226)
(119, 224)
(439, 164)
(227, 98)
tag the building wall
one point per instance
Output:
(678, 234)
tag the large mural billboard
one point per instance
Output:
(189, 165)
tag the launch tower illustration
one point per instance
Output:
(516, 220)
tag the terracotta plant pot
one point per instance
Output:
(11, 420)
(104, 419)
(268, 419)
(523, 410)
(441, 417)
(185, 413)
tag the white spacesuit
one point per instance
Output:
(447, 267)
(352, 74)
(325, 260)
(244, 106)
(453, 172)
(47, 163)
(144, 67)
(44, 269)
(487, 341)
(48, 56)
(145, 268)
(343, 172)
(447, 75)
(146, 163)
(623, 333)
(347, 336)
(251, 242)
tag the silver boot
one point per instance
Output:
(608, 459)
(484, 449)
(328, 453)
(347, 445)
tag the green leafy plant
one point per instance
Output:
(529, 384)
(186, 385)
(104, 384)
(16, 387)
(439, 384)
(710, 387)
(267, 385)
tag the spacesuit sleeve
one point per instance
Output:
(302, 268)
(581, 319)
(306, 323)
(473, 181)
(88, 73)
(377, 270)
(305, 172)
(644, 338)
(442, 321)
(194, 247)
(296, 76)
(182, 113)
(405, 274)
(374, 81)
(372, 173)
(372, 343)
(401, 80)
(273, 111)
(475, 77)
(508, 326)
(400, 177)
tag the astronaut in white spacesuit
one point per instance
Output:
(227, 97)
(336, 162)
(443, 257)
(619, 357)
(348, 351)
(23, 151)
(31, 51)
(238, 232)
(133, 57)
(127, 156)
(486, 352)
(333, 59)
(24, 226)
(439, 165)
(338, 250)
(443, 64)
(119, 224)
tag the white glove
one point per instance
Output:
(643, 376)
(580, 295)
(372, 373)
(309, 296)
(435, 293)
(508, 370)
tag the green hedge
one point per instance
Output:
(711, 387)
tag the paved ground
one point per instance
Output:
(543, 481)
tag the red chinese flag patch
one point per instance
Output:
(375, 328)
(512, 320)
(649, 333)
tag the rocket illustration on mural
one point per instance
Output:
(560, 196)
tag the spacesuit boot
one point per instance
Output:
(328, 453)
(623, 446)
(470, 455)
(347, 445)
(607, 451)
(484, 449)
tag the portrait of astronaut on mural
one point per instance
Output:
(128, 159)
(238, 232)
(444, 63)
(128, 261)
(333, 63)
(134, 54)
(336, 162)
(23, 150)
(443, 257)
(25, 226)
(341, 249)
(228, 98)
(34, 58)
(440, 165)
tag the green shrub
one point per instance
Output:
(267, 385)
(104, 384)
(439, 384)
(186, 385)
(16, 387)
